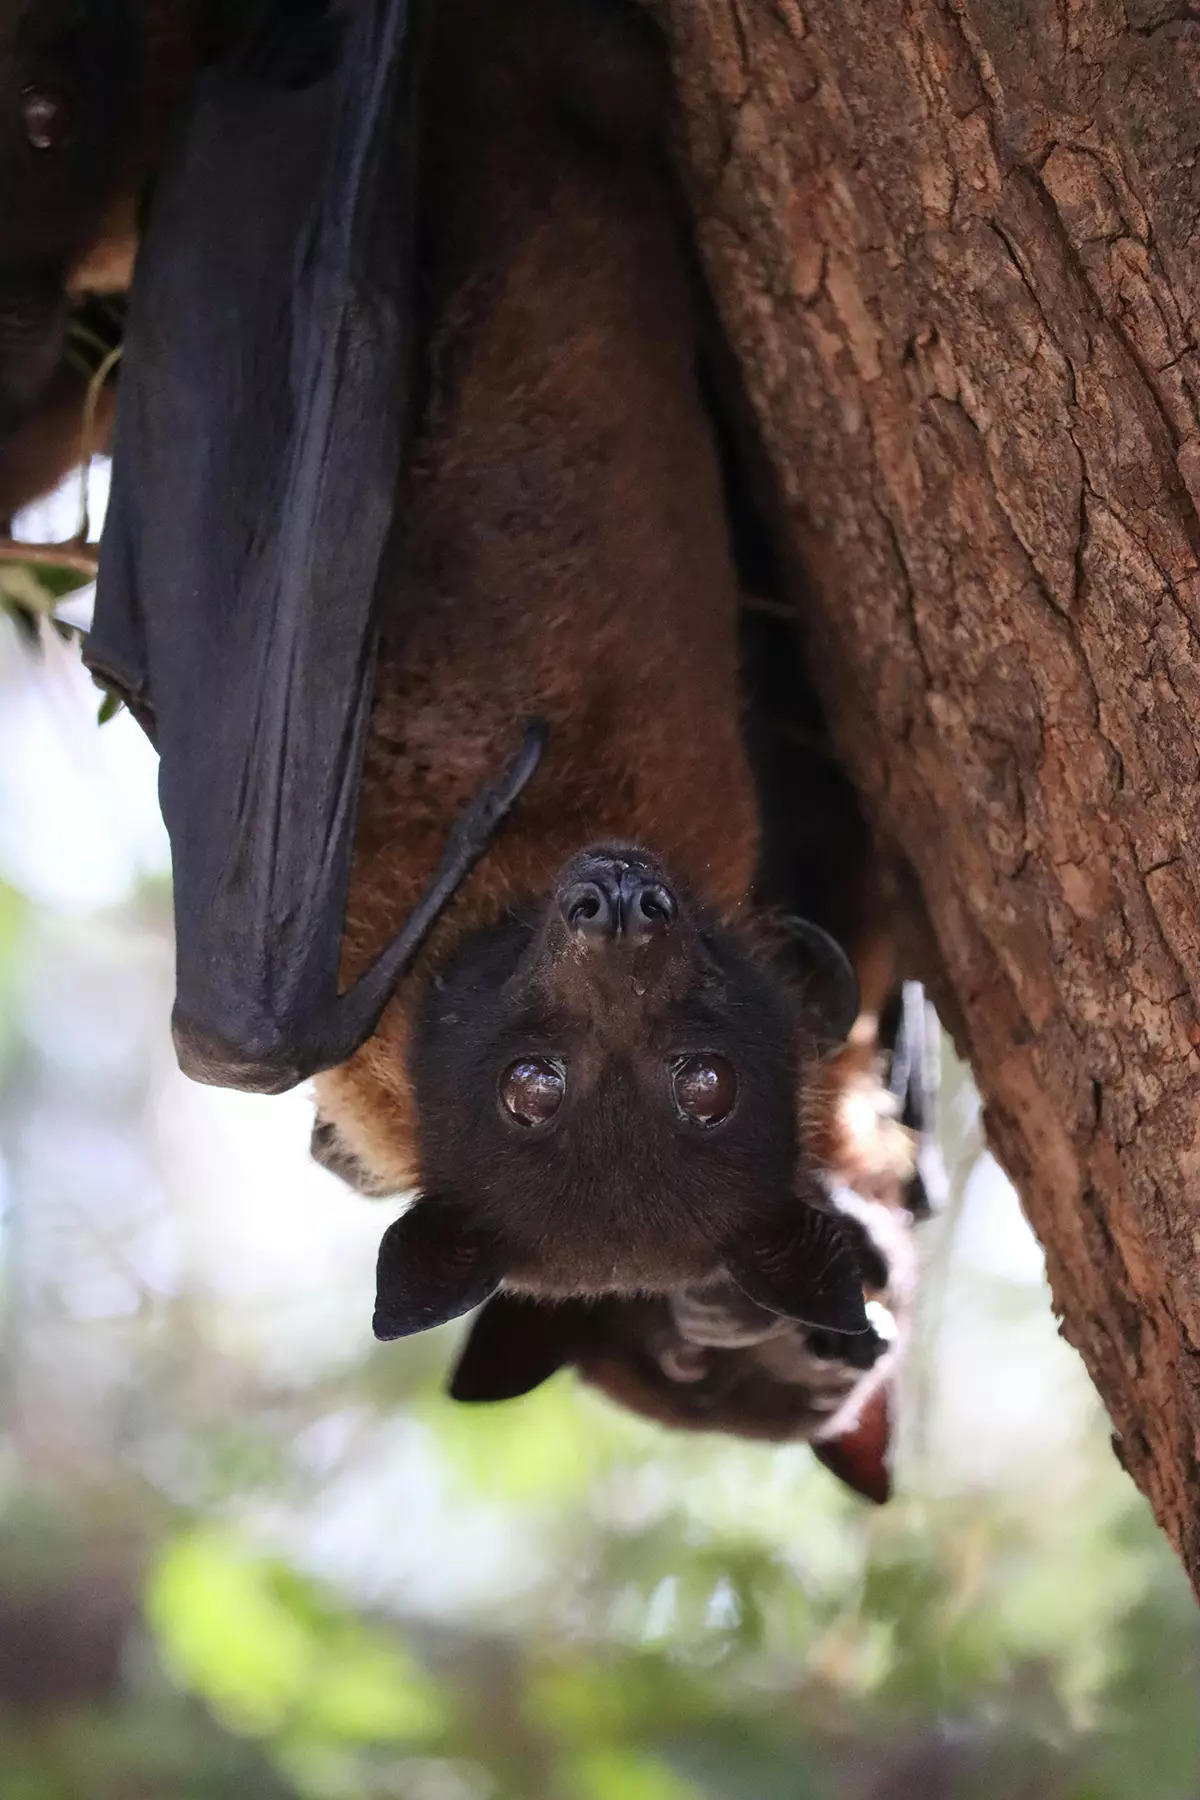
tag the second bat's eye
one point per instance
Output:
(531, 1091)
(705, 1088)
(47, 117)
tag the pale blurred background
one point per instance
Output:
(248, 1552)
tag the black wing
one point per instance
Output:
(259, 437)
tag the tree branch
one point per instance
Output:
(84, 558)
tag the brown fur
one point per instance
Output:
(847, 1120)
(566, 552)
(35, 459)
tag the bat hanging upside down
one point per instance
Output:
(613, 1079)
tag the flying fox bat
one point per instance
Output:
(419, 571)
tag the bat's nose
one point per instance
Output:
(613, 900)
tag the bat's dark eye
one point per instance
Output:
(47, 116)
(705, 1088)
(531, 1091)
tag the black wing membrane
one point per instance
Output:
(260, 430)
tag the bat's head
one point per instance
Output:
(606, 1095)
(709, 1359)
(67, 92)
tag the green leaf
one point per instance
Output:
(39, 586)
(625, 1775)
(110, 706)
(272, 1656)
(224, 1633)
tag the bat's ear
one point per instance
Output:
(432, 1267)
(802, 1265)
(861, 1455)
(830, 983)
(514, 1345)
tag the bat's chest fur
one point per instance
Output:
(565, 552)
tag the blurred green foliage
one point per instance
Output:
(683, 1648)
(31, 592)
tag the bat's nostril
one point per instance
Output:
(590, 911)
(656, 904)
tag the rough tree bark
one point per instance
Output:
(956, 247)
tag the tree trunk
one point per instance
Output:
(955, 245)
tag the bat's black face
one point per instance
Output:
(67, 87)
(610, 1086)
(607, 1097)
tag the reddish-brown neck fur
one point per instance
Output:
(565, 552)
